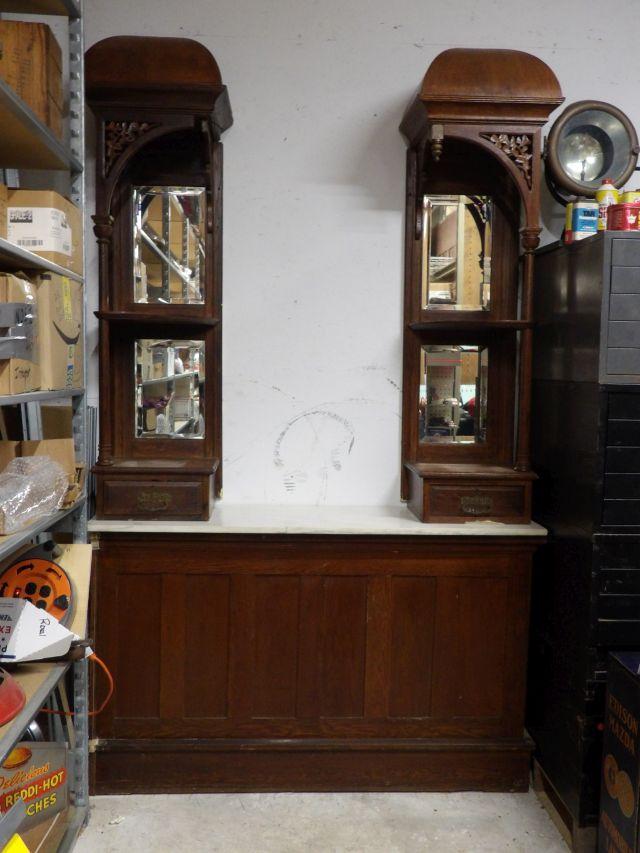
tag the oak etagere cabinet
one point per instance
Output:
(473, 164)
(161, 108)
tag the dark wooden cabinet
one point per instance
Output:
(161, 108)
(472, 204)
(301, 662)
(586, 450)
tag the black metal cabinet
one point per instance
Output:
(586, 450)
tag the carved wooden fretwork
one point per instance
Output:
(119, 135)
(517, 148)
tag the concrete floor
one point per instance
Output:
(321, 823)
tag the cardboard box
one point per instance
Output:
(57, 421)
(19, 375)
(31, 63)
(55, 119)
(8, 451)
(60, 349)
(44, 222)
(4, 194)
(619, 821)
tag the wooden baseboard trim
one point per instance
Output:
(156, 766)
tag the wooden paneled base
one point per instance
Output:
(289, 662)
(190, 766)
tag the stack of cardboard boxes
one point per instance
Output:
(31, 64)
(50, 226)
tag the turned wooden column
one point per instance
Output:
(103, 229)
(530, 241)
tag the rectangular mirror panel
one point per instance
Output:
(453, 394)
(169, 389)
(169, 245)
(456, 252)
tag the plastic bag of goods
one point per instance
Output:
(30, 487)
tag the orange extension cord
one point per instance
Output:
(93, 656)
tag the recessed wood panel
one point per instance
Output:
(344, 616)
(470, 647)
(276, 646)
(206, 661)
(483, 623)
(412, 625)
(138, 632)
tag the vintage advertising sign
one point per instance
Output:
(618, 831)
(37, 774)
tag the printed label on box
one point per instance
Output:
(37, 774)
(39, 229)
(67, 311)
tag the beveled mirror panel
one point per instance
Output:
(168, 245)
(456, 252)
(453, 394)
(169, 388)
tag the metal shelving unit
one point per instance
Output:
(25, 143)
(14, 258)
(9, 544)
(39, 397)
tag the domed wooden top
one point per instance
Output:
(149, 62)
(471, 74)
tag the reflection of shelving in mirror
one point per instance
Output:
(169, 250)
(453, 394)
(456, 248)
(169, 388)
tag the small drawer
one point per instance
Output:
(625, 513)
(624, 405)
(477, 501)
(622, 460)
(623, 361)
(624, 333)
(621, 554)
(625, 279)
(620, 582)
(623, 433)
(625, 252)
(170, 499)
(624, 306)
(617, 486)
(624, 607)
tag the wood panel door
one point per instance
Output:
(312, 637)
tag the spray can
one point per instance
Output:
(606, 194)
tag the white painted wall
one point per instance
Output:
(314, 193)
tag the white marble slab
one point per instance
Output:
(345, 520)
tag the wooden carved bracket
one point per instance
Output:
(118, 136)
(517, 147)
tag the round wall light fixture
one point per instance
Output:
(589, 141)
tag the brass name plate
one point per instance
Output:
(476, 504)
(154, 501)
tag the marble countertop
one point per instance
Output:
(345, 520)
